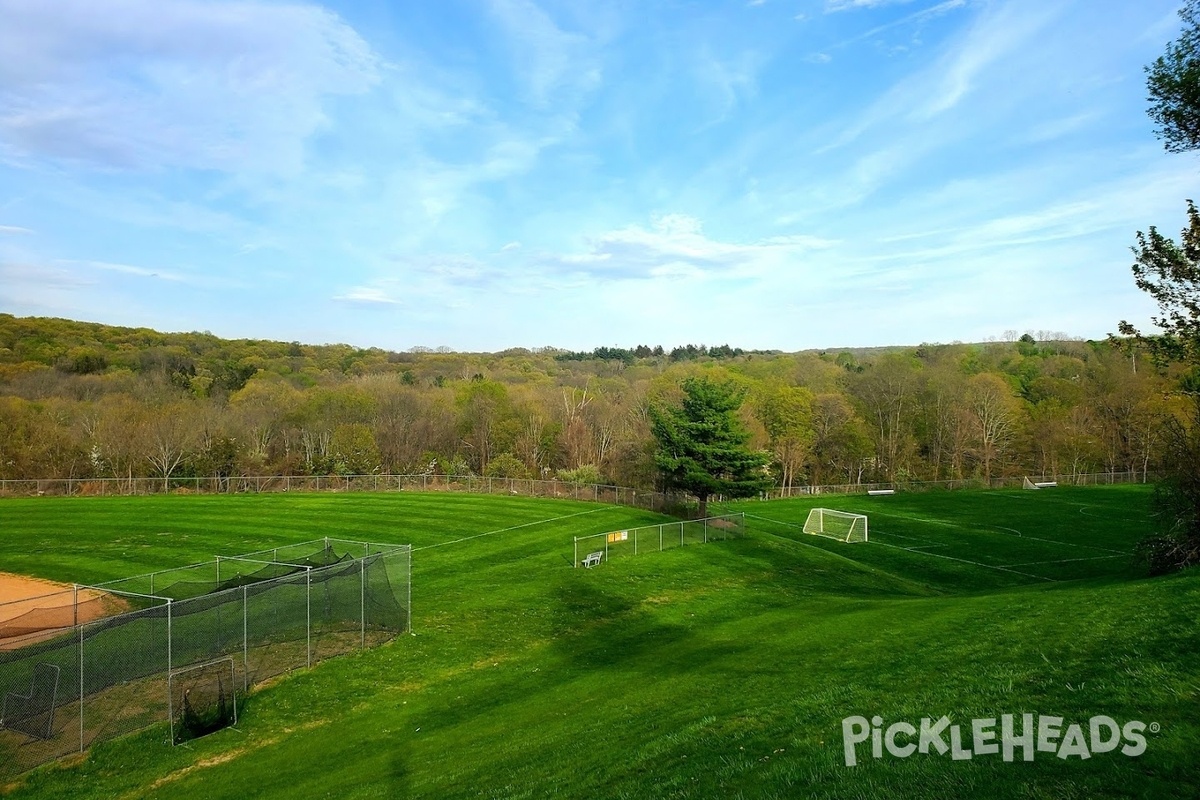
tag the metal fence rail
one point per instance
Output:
(474, 484)
(656, 538)
(1067, 479)
(524, 487)
(115, 648)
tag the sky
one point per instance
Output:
(774, 174)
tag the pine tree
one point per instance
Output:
(702, 445)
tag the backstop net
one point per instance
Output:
(181, 646)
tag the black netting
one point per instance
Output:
(258, 620)
(204, 700)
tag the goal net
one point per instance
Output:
(1038, 484)
(840, 525)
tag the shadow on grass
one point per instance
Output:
(606, 630)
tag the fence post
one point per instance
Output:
(363, 609)
(660, 534)
(705, 521)
(575, 562)
(245, 639)
(308, 612)
(81, 688)
(170, 694)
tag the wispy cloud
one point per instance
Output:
(995, 35)
(129, 269)
(154, 273)
(550, 61)
(144, 84)
(675, 245)
(368, 296)
(21, 275)
(833, 6)
(493, 174)
(913, 19)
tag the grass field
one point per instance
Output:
(722, 670)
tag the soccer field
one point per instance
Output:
(717, 670)
(993, 539)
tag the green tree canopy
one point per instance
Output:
(702, 445)
(1173, 81)
(1170, 273)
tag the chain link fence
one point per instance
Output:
(597, 547)
(669, 502)
(1067, 479)
(95, 662)
(474, 484)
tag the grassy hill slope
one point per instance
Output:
(721, 670)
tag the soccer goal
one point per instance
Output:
(840, 525)
(1039, 484)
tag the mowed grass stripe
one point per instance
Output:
(973, 528)
(720, 670)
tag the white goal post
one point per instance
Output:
(841, 525)
(1038, 484)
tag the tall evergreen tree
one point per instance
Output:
(702, 445)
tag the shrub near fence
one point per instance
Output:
(262, 613)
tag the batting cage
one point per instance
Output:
(183, 646)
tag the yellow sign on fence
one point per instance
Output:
(618, 536)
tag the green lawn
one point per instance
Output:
(721, 670)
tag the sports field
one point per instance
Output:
(718, 670)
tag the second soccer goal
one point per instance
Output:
(841, 525)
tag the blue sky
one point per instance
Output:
(773, 174)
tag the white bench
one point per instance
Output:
(593, 559)
(881, 491)
(1045, 484)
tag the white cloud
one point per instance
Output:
(155, 273)
(14, 230)
(552, 62)
(728, 82)
(33, 276)
(985, 51)
(675, 245)
(1057, 128)
(128, 269)
(832, 6)
(914, 19)
(370, 296)
(145, 84)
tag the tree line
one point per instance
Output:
(85, 400)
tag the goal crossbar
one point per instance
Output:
(844, 526)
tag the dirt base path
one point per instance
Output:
(33, 609)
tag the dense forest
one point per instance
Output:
(86, 400)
